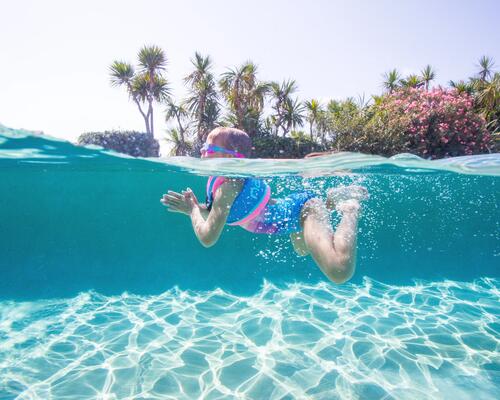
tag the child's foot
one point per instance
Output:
(340, 194)
(348, 206)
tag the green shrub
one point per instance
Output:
(271, 146)
(344, 123)
(136, 144)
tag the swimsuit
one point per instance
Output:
(252, 210)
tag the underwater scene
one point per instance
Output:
(104, 294)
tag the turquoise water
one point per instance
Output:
(106, 295)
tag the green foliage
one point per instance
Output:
(314, 112)
(152, 58)
(486, 65)
(411, 81)
(145, 86)
(448, 122)
(136, 144)
(487, 95)
(345, 123)
(391, 80)
(179, 145)
(428, 75)
(244, 95)
(288, 112)
(271, 146)
(202, 102)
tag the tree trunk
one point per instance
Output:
(150, 101)
(136, 100)
(201, 113)
(152, 133)
(181, 130)
(146, 119)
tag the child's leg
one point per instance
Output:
(299, 244)
(334, 252)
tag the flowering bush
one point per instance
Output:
(136, 144)
(432, 124)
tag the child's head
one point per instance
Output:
(231, 139)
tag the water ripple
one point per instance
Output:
(19, 147)
(429, 340)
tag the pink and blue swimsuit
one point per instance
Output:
(252, 210)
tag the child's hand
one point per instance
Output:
(180, 202)
(190, 198)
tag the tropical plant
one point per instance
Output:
(345, 123)
(411, 81)
(488, 102)
(147, 85)
(282, 105)
(313, 109)
(462, 87)
(203, 99)
(180, 115)
(486, 67)
(178, 145)
(391, 80)
(293, 116)
(427, 75)
(245, 96)
(296, 146)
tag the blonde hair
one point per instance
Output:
(234, 139)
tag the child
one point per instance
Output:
(247, 202)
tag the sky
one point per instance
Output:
(55, 55)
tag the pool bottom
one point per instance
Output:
(430, 340)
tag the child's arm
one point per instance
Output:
(202, 207)
(206, 225)
(209, 230)
(174, 200)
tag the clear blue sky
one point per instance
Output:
(55, 54)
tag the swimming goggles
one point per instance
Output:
(211, 149)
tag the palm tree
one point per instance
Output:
(202, 67)
(145, 86)
(428, 75)
(488, 101)
(280, 95)
(462, 87)
(313, 108)
(486, 67)
(293, 116)
(412, 81)
(123, 73)
(391, 80)
(179, 113)
(179, 146)
(203, 100)
(322, 125)
(245, 96)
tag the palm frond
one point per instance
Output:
(428, 75)
(391, 80)
(485, 65)
(152, 58)
(121, 73)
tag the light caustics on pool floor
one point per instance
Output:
(429, 340)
